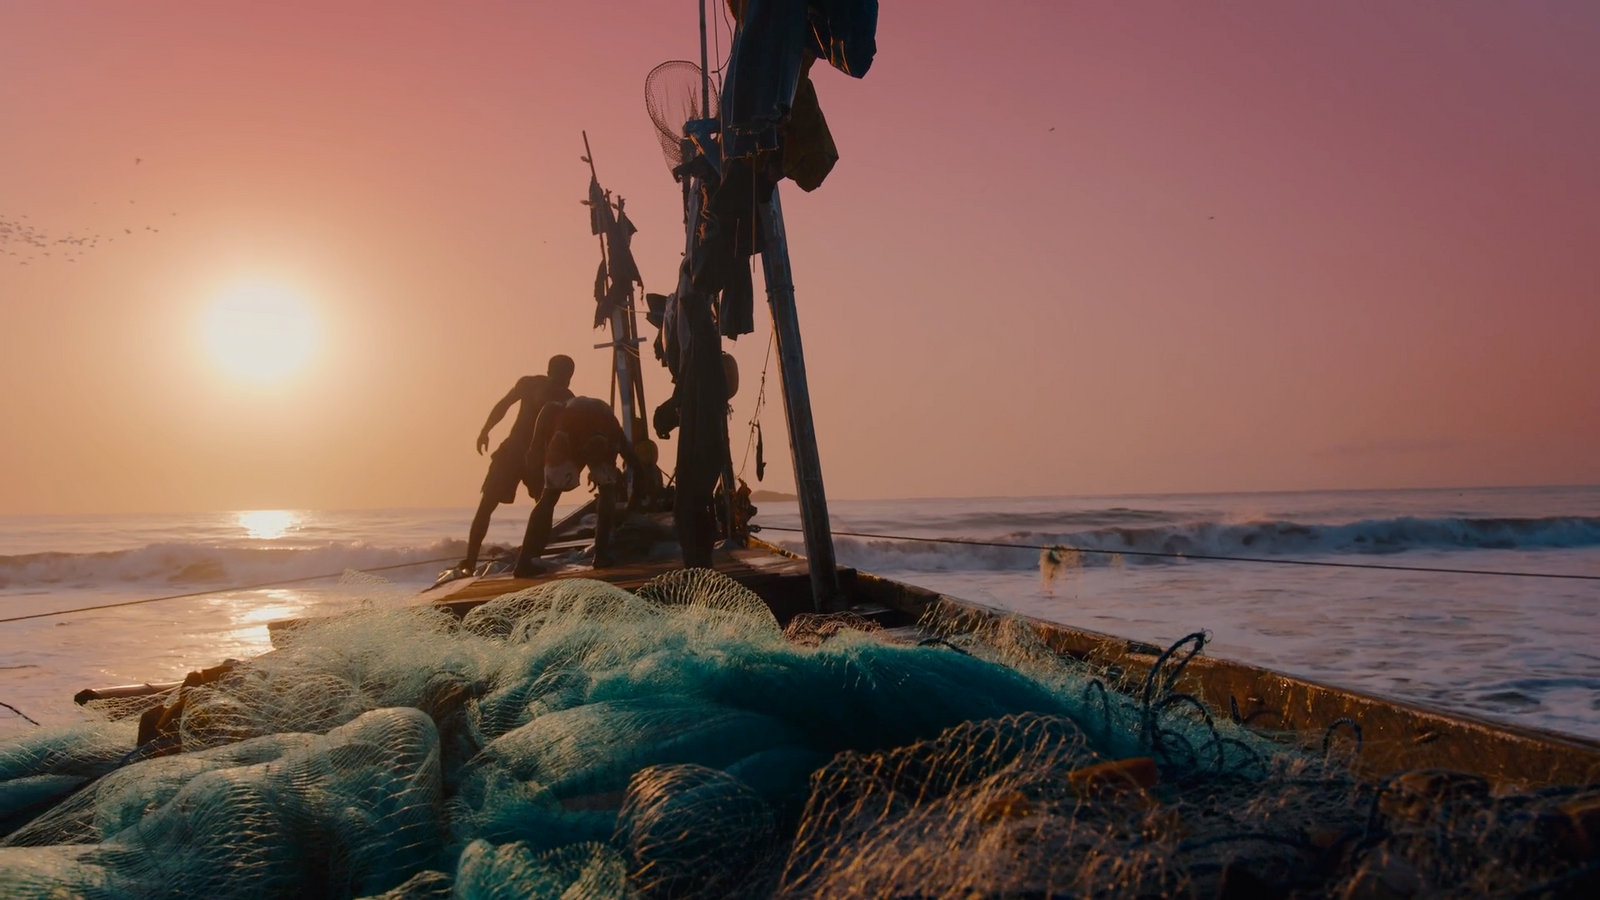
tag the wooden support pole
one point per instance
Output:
(705, 71)
(797, 409)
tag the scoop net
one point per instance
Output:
(672, 94)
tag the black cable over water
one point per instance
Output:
(225, 590)
(1157, 554)
(25, 716)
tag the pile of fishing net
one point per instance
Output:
(578, 741)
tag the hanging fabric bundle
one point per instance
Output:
(772, 128)
(761, 456)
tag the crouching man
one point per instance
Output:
(581, 433)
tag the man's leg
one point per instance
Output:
(538, 533)
(480, 528)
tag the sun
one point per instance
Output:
(260, 333)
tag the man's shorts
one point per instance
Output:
(505, 473)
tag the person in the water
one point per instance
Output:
(581, 433)
(507, 463)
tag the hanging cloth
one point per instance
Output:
(736, 308)
(845, 32)
(600, 309)
(761, 455)
(599, 208)
(808, 149)
(619, 241)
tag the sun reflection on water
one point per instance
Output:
(267, 524)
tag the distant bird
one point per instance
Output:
(1210, 217)
(1052, 128)
(137, 160)
(127, 231)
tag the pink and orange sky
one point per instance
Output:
(1069, 248)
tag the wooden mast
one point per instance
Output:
(627, 379)
(705, 72)
(797, 408)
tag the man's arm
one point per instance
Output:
(629, 457)
(496, 414)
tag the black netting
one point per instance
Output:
(672, 93)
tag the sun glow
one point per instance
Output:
(267, 524)
(260, 333)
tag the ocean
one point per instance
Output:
(1523, 650)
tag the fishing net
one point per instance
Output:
(672, 96)
(576, 740)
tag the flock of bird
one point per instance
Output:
(24, 243)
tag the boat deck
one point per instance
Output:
(784, 582)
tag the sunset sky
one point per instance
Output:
(1069, 247)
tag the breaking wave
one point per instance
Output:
(1214, 538)
(202, 565)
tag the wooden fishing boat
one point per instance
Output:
(1394, 735)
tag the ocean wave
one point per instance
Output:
(203, 565)
(206, 565)
(1214, 538)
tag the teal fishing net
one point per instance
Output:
(579, 741)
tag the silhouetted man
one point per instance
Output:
(580, 433)
(507, 465)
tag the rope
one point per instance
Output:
(246, 587)
(1152, 553)
(761, 402)
(25, 716)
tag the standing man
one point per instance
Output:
(507, 464)
(580, 433)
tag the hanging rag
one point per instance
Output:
(728, 231)
(599, 207)
(736, 308)
(618, 273)
(808, 149)
(761, 456)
